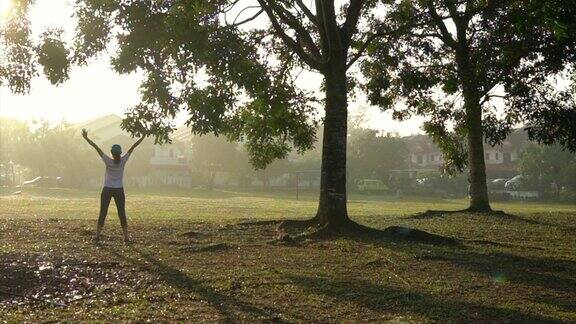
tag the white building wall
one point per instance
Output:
(167, 155)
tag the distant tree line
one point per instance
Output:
(371, 155)
(41, 149)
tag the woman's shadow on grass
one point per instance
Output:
(231, 308)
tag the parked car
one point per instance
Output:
(425, 182)
(514, 183)
(369, 185)
(42, 182)
(498, 183)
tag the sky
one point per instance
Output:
(96, 90)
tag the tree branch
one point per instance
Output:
(288, 41)
(351, 23)
(332, 37)
(307, 11)
(236, 24)
(438, 21)
(229, 7)
(302, 34)
(361, 50)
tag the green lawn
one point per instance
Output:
(519, 268)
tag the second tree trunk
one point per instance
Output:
(332, 209)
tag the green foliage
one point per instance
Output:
(59, 151)
(20, 54)
(492, 50)
(452, 145)
(543, 165)
(93, 30)
(232, 76)
(17, 66)
(211, 154)
(242, 94)
(47, 150)
(563, 117)
(372, 155)
(12, 134)
(53, 56)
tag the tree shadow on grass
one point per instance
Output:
(17, 275)
(544, 272)
(539, 222)
(430, 214)
(394, 300)
(554, 275)
(229, 307)
(496, 215)
(565, 304)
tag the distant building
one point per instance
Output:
(168, 164)
(501, 160)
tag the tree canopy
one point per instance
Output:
(231, 69)
(476, 69)
(516, 48)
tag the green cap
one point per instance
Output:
(116, 149)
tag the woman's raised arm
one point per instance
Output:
(85, 135)
(136, 144)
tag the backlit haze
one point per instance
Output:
(96, 90)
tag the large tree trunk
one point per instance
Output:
(332, 210)
(476, 164)
(477, 168)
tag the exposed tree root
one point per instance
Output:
(440, 213)
(284, 239)
(294, 224)
(260, 223)
(351, 228)
(216, 247)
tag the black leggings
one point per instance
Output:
(119, 199)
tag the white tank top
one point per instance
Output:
(114, 171)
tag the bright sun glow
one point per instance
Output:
(5, 8)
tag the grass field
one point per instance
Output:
(195, 259)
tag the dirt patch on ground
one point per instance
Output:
(57, 281)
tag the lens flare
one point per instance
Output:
(499, 277)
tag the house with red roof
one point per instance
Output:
(501, 160)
